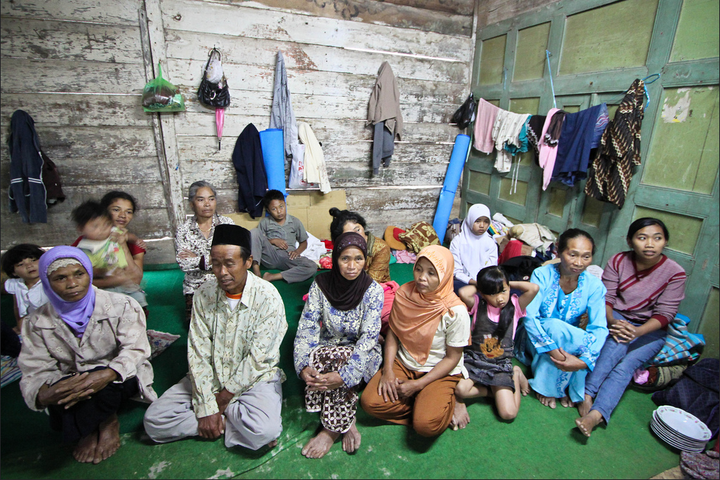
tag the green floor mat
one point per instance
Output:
(540, 443)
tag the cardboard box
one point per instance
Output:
(312, 208)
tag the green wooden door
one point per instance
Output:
(678, 178)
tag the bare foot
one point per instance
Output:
(460, 417)
(566, 402)
(524, 385)
(351, 439)
(272, 444)
(319, 445)
(108, 439)
(547, 401)
(588, 422)
(85, 450)
(271, 277)
(585, 406)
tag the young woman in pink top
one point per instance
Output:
(644, 290)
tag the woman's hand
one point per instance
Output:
(570, 363)
(623, 332)
(187, 254)
(387, 387)
(321, 381)
(408, 388)
(75, 389)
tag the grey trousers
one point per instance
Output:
(267, 255)
(383, 146)
(251, 421)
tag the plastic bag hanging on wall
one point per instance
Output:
(159, 95)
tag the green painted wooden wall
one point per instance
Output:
(597, 48)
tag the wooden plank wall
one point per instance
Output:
(78, 69)
(332, 53)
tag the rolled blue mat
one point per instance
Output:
(452, 178)
(273, 150)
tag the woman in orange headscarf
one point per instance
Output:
(423, 355)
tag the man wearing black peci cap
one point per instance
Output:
(234, 383)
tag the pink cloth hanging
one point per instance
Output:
(486, 116)
(548, 153)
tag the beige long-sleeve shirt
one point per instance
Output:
(233, 348)
(115, 337)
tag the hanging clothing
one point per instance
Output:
(472, 252)
(548, 143)
(247, 158)
(383, 147)
(486, 115)
(27, 192)
(534, 133)
(315, 171)
(573, 152)
(610, 173)
(507, 130)
(384, 106)
(281, 114)
(51, 180)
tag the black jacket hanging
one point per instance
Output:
(252, 181)
(27, 192)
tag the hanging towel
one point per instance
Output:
(506, 129)
(384, 106)
(486, 116)
(252, 181)
(27, 193)
(315, 171)
(281, 114)
(610, 173)
(573, 151)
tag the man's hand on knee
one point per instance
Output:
(212, 426)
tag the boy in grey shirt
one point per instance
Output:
(273, 243)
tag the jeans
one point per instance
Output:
(615, 367)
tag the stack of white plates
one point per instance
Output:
(680, 429)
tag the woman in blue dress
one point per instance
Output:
(566, 323)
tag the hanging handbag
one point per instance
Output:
(465, 114)
(214, 94)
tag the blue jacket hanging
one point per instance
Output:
(247, 158)
(27, 192)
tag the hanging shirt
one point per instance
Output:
(573, 152)
(507, 129)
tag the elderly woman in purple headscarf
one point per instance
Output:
(84, 353)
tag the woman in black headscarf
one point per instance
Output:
(336, 346)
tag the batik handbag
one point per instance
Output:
(213, 91)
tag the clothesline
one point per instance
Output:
(563, 142)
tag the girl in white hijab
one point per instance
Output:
(474, 248)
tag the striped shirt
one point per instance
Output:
(639, 296)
